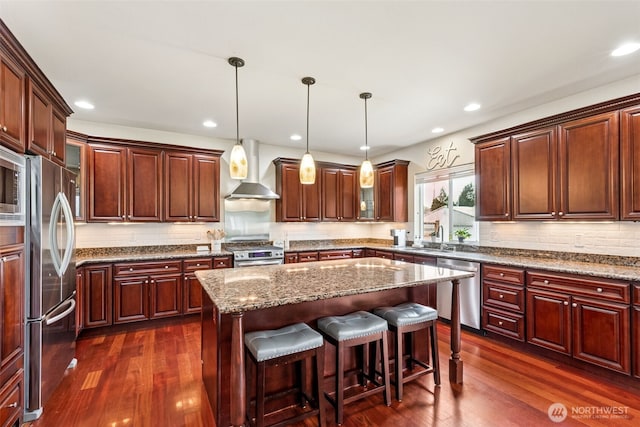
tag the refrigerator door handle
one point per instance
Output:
(61, 205)
(53, 317)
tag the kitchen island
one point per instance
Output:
(236, 301)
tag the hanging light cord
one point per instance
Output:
(237, 109)
(366, 136)
(308, 91)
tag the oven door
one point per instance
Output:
(256, 262)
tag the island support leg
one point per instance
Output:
(238, 384)
(455, 363)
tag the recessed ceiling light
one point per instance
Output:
(295, 137)
(85, 105)
(472, 107)
(365, 148)
(625, 49)
(437, 130)
(209, 124)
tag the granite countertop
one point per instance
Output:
(254, 288)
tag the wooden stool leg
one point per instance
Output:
(398, 367)
(373, 360)
(260, 393)
(319, 360)
(339, 398)
(433, 331)
(385, 368)
(301, 368)
(250, 368)
(411, 350)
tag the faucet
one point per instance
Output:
(441, 233)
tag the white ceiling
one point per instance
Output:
(163, 64)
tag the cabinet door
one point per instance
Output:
(291, 258)
(588, 168)
(493, 180)
(75, 161)
(178, 187)
(311, 201)
(549, 320)
(131, 299)
(166, 295)
(192, 294)
(107, 175)
(39, 122)
(601, 334)
(533, 164)
(58, 137)
(330, 194)
(289, 205)
(348, 198)
(12, 103)
(630, 163)
(79, 299)
(384, 200)
(144, 185)
(206, 188)
(11, 304)
(636, 340)
(97, 296)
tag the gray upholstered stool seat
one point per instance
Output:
(407, 318)
(408, 313)
(276, 348)
(357, 329)
(353, 325)
(291, 339)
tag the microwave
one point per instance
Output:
(12, 188)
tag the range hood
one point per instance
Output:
(251, 188)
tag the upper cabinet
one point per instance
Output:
(580, 165)
(12, 104)
(47, 126)
(192, 190)
(76, 162)
(493, 184)
(336, 195)
(630, 163)
(141, 182)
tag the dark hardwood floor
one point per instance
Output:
(149, 375)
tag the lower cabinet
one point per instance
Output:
(308, 256)
(635, 326)
(11, 406)
(338, 254)
(97, 307)
(586, 318)
(192, 288)
(503, 301)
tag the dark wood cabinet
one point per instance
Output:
(588, 171)
(192, 190)
(503, 301)
(223, 262)
(11, 397)
(79, 300)
(47, 126)
(76, 162)
(391, 191)
(12, 267)
(58, 136)
(143, 185)
(587, 318)
(493, 180)
(635, 328)
(404, 257)
(630, 163)
(147, 290)
(107, 183)
(192, 288)
(424, 260)
(334, 254)
(384, 254)
(96, 296)
(338, 194)
(308, 256)
(290, 257)
(12, 104)
(297, 202)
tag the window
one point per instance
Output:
(445, 198)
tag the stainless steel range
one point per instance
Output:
(259, 255)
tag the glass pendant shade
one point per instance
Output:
(238, 162)
(307, 170)
(366, 174)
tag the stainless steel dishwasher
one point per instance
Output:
(469, 293)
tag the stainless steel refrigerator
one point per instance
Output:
(50, 281)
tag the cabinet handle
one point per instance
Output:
(501, 296)
(599, 290)
(501, 274)
(131, 269)
(560, 213)
(198, 265)
(565, 303)
(574, 305)
(553, 213)
(153, 281)
(500, 323)
(506, 214)
(3, 259)
(54, 153)
(123, 216)
(4, 128)
(146, 281)
(14, 404)
(166, 266)
(546, 282)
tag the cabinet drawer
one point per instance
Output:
(514, 276)
(329, 255)
(197, 264)
(290, 258)
(424, 260)
(307, 256)
(600, 288)
(222, 262)
(11, 399)
(636, 294)
(503, 323)
(358, 253)
(128, 269)
(503, 296)
(384, 254)
(403, 257)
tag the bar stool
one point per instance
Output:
(407, 318)
(293, 343)
(357, 329)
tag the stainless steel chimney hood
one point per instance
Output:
(251, 188)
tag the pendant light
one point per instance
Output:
(366, 169)
(238, 160)
(307, 165)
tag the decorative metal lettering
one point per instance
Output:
(439, 157)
